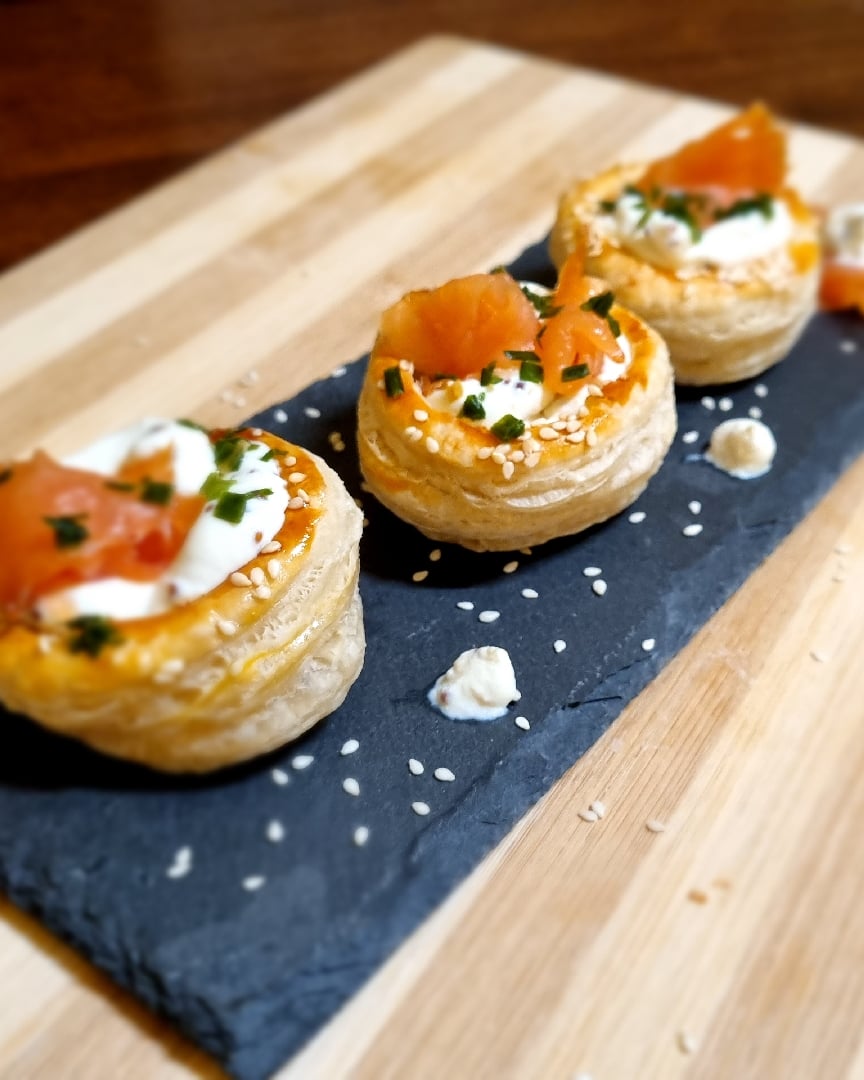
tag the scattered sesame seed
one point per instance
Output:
(447, 776)
(432, 445)
(289, 462)
(530, 594)
(599, 808)
(599, 586)
(484, 452)
(819, 656)
(434, 554)
(280, 777)
(760, 390)
(592, 571)
(559, 425)
(275, 831)
(464, 605)
(44, 643)
(413, 433)
(301, 761)
(361, 835)
(415, 767)
(686, 1043)
(280, 416)
(271, 548)
(420, 575)
(181, 865)
(256, 432)
(421, 416)
(507, 469)
(420, 808)
(302, 494)
(405, 365)
(690, 437)
(655, 826)
(559, 645)
(256, 575)
(843, 549)
(708, 403)
(338, 372)
(499, 457)
(522, 722)
(239, 402)
(489, 616)
(754, 412)
(517, 456)
(350, 746)
(694, 506)
(576, 437)
(510, 567)
(648, 644)
(525, 551)
(591, 437)
(262, 592)
(588, 815)
(226, 627)
(839, 578)
(532, 459)
(351, 786)
(848, 346)
(637, 517)
(296, 477)
(692, 530)
(274, 568)
(254, 882)
(725, 404)
(547, 434)
(312, 412)
(296, 503)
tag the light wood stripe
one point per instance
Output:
(573, 947)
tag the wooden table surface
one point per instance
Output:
(730, 944)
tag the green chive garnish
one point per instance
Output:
(529, 371)
(231, 506)
(228, 452)
(522, 354)
(156, 492)
(488, 376)
(472, 407)
(441, 375)
(508, 427)
(68, 531)
(393, 382)
(544, 304)
(498, 270)
(193, 424)
(91, 633)
(214, 486)
(575, 371)
(762, 203)
(601, 305)
(608, 206)
(273, 452)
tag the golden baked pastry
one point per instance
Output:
(709, 246)
(211, 680)
(596, 423)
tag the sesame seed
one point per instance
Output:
(522, 722)
(559, 645)
(279, 777)
(253, 882)
(499, 457)
(406, 365)
(648, 644)
(547, 433)
(464, 605)
(173, 666)
(447, 776)
(262, 592)
(583, 412)
(517, 456)
(274, 568)
(525, 551)
(275, 832)
(296, 503)
(303, 494)
(257, 575)
(301, 761)
(280, 416)
(489, 616)
(692, 530)
(531, 446)
(296, 477)
(181, 865)
(754, 412)
(432, 445)
(686, 1043)
(599, 587)
(507, 469)
(226, 627)
(694, 506)
(760, 390)
(289, 462)
(271, 548)
(530, 594)
(351, 786)
(421, 416)
(413, 433)
(312, 412)
(591, 437)
(239, 402)
(592, 571)
(848, 346)
(592, 390)
(690, 437)
(655, 826)
(505, 448)
(587, 815)
(599, 808)
(484, 452)
(510, 567)
(249, 379)
(420, 808)
(351, 746)
(338, 372)
(819, 656)
(44, 643)
(725, 404)
(361, 835)
(434, 554)
(843, 549)
(709, 403)
(420, 575)
(415, 767)
(531, 460)
(576, 437)
(559, 425)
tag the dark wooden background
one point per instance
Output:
(100, 99)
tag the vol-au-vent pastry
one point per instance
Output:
(842, 283)
(710, 246)
(496, 416)
(179, 597)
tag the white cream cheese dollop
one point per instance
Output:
(666, 241)
(844, 234)
(743, 448)
(479, 686)
(213, 548)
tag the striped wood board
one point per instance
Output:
(732, 943)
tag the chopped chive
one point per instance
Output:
(761, 203)
(231, 505)
(608, 206)
(488, 376)
(214, 486)
(393, 382)
(156, 492)
(522, 354)
(441, 375)
(530, 371)
(544, 304)
(678, 207)
(273, 452)
(5, 475)
(575, 371)
(601, 305)
(229, 451)
(472, 407)
(91, 633)
(68, 531)
(508, 427)
(498, 270)
(194, 425)
(119, 485)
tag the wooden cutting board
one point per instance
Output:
(731, 944)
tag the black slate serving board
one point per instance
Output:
(89, 844)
